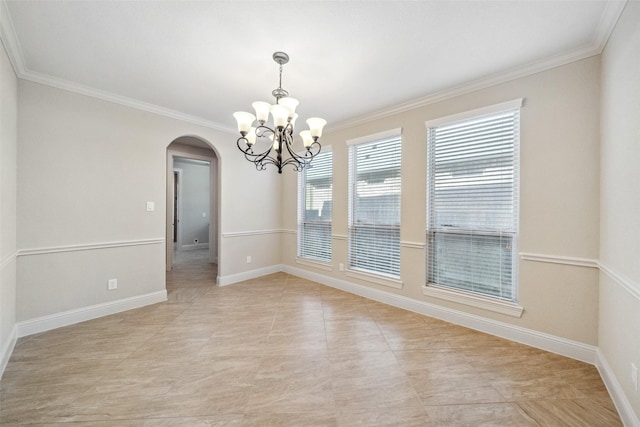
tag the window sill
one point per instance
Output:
(485, 303)
(375, 278)
(315, 264)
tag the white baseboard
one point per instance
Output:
(8, 349)
(194, 246)
(71, 317)
(554, 344)
(248, 275)
(629, 417)
(583, 352)
(575, 350)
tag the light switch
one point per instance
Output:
(151, 206)
(204, 214)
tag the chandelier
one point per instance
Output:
(266, 144)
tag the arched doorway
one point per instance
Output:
(193, 205)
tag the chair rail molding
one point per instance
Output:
(624, 282)
(560, 259)
(232, 234)
(8, 260)
(90, 246)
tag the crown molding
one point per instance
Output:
(10, 41)
(122, 100)
(14, 51)
(608, 21)
(472, 86)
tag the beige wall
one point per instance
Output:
(86, 169)
(8, 193)
(75, 170)
(619, 334)
(559, 196)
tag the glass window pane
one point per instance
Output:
(374, 214)
(472, 204)
(315, 206)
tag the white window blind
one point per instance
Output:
(374, 206)
(472, 204)
(315, 192)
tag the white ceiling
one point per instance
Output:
(203, 60)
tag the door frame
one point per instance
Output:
(178, 208)
(214, 205)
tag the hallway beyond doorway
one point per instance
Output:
(191, 269)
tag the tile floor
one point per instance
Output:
(283, 351)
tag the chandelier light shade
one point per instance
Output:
(264, 143)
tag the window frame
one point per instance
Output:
(373, 276)
(476, 299)
(301, 219)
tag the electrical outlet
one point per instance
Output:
(112, 284)
(248, 259)
(341, 267)
(634, 376)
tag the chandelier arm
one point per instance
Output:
(265, 159)
(262, 162)
(263, 130)
(298, 162)
(298, 165)
(308, 154)
(261, 165)
(288, 139)
(295, 156)
(250, 155)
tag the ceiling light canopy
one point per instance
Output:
(276, 139)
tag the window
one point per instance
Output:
(315, 194)
(374, 204)
(472, 201)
